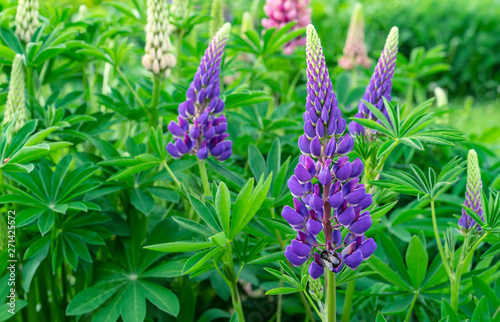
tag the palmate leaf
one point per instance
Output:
(418, 183)
(412, 130)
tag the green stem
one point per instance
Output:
(379, 167)
(455, 281)
(153, 110)
(172, 174)
(31, 89)
(204, 178)
(330, 296)
(130, 87)
(346, 314)
(412, 305)
(233, 283)
(178, 54)
(454, 286)
(313, 305)
(354, 77)
(438, 241)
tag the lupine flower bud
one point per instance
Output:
(338, 200)
(246, 23)
(355, 48)
(472, 193)
(15, 106)
(158, 57)
(217, 15)
(201, 127)
(26, 19)
(179, 8)
(315, 286)
(380, 83)
(281, 12)
(441, 98)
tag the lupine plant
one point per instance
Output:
(355, 48)
(216, 161)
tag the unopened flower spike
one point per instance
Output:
(337, 200)
(217, 15)
(281, 12)
(15, 108)
(355, 47)
(246, 23)
(473, 193)
(158, 57)
(380, 83)
(179, 9)
(26, 19)
(201, 127)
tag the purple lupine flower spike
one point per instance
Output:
(472, 193)
(380, 83)
(201, 127)
(338, 201)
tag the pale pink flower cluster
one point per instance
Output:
(281, 12)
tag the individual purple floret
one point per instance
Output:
(337, 201)
(380, 83)
(201, 125)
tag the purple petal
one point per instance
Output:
(294, 259)
(354, 260)
(361, 225)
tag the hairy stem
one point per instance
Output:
(204, 178)
(153, 109)
(330, 296)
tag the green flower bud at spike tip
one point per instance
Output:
(355, 47)
(26, 19)
(441, 98)
(246, 23)
(472, 193)
(217, 15)
(158, 57)
(179, 9)
(15, 107)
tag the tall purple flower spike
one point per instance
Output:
(380, 83)
(472, 193)
(201, 125)
(337, 201)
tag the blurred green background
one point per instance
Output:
(452, 44)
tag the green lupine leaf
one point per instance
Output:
(133, 303)
(223, 207)
(91, 298)
(161, 297)
(416, 261)
(180, 247)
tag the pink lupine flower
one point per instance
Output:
(281, 12)
(355, 48)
